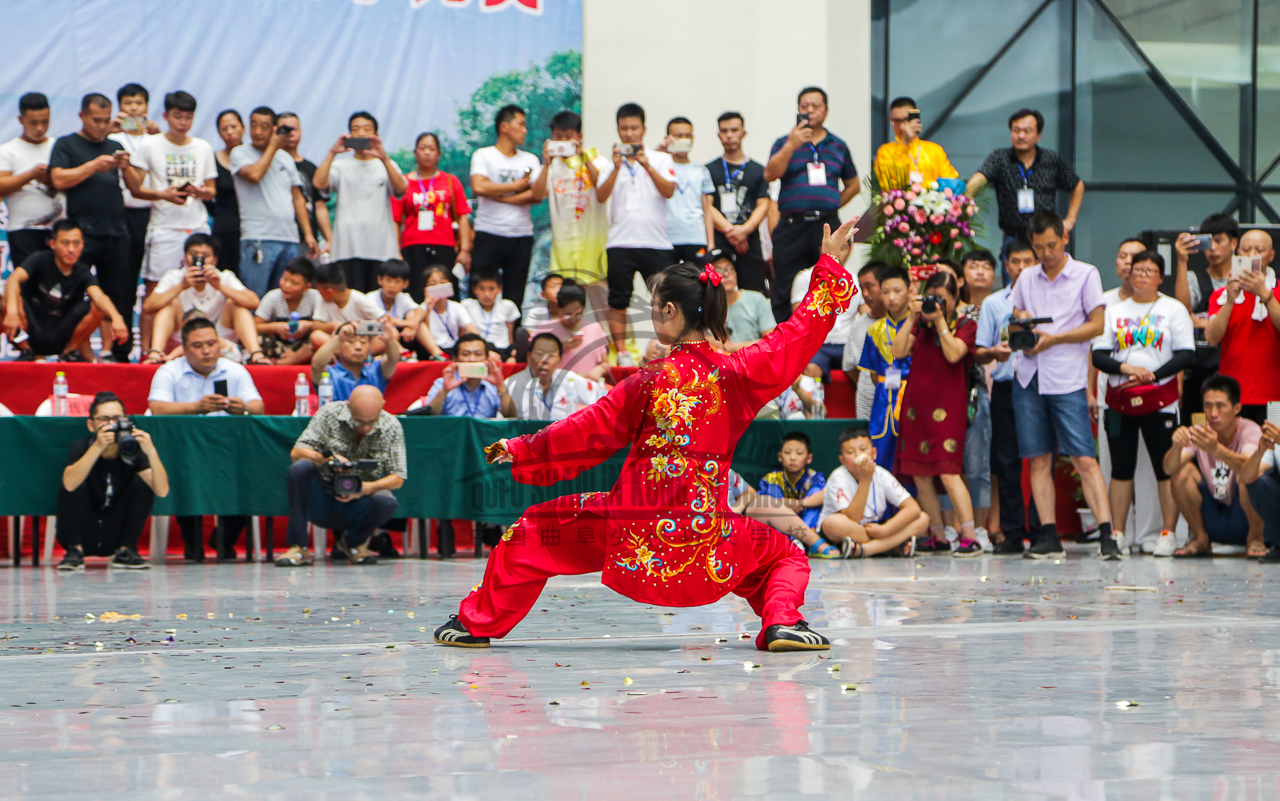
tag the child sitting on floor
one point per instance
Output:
(790, 499)
(865, 509)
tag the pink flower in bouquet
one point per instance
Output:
(903, 227)
(899, 204)
(897, 243)
(955, 245)
(936, 219)
(947, 192)
(954, 233)
(888, 210)
(910, 196)
(917, 188)
(915, 251)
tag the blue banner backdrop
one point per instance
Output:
(416, 65)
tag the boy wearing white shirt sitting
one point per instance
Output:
(858, 496)
(340, 304)
(494, 319)
(397, 305)
(202, 289)
(544, 391)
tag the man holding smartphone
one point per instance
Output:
(473, 385)
(908, 159)
(1244, 322)
(202, 382)
(348, 361)
(364, 235)
(741, 203)
(818, 178)
(1217, 238)
(86, 166)
(182, 172)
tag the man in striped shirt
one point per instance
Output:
(813, 165)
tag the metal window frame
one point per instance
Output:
(1248, 187)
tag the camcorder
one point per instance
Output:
(1026, 338)
(128, 444)
(350, 483)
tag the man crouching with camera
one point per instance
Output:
(345, 466)
(111, 481)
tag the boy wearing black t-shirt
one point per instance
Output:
(55, 298)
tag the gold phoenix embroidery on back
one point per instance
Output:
(675, 410)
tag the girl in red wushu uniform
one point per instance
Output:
(664, 534)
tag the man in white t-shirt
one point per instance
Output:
(689, 209)
(640, 181)
(176, 172)
(502, 179)
(24, 181)
(364, 235)
(272, 206)
(202, 290)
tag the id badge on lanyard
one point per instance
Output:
(893, 378)
(817, 173)
(426, 214)
(426, 220)
(632, 202)
(1026, 200)
(916, 177)
(729, 203)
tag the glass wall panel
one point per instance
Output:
(934, 52)
(1203, 50)
(1108, 217)
(1268, 89)
(1127, 130)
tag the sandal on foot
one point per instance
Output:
(153, 357)
(258, 357)
(1192, 550)
(823, 550)
(852, 549)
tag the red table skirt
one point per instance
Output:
(23, 385)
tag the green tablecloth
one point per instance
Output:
(226, 465)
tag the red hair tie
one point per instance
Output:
(709, 274)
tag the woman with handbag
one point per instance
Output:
(1145, 343)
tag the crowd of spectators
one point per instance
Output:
(252, 254)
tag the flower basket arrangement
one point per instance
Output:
(921, 224)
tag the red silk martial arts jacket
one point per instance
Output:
(671, 539)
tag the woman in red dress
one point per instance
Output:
(664, 534)
(935, 408)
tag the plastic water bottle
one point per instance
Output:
(819, 401)
(302, 396)
(325, 391)
(60, 403)
(294, 317)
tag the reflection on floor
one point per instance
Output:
(984, 678)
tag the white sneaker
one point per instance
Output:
(984, 539)
(625, 359)
(1166, 545)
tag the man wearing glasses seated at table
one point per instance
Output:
(112, 478)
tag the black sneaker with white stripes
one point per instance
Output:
(797, 637)
(455, 634)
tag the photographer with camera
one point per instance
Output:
(473, 386)
(1062, 297)
(346, 358)
(345, 466)
(112, 478)
(935, 404)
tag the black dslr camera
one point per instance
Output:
(929, 304)
(345, 484)
(128, 444)
(1026, 338)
